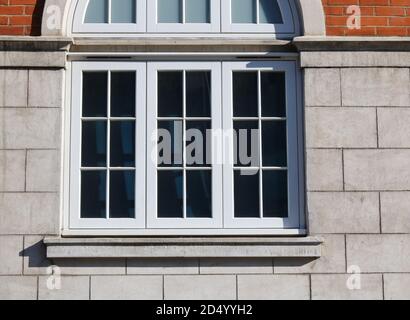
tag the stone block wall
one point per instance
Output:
(30, 145)
(358, 150)
(358, 181)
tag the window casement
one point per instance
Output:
(107, 161)
(110, 16)
(183, 16)
(242, 17)
(258, 16)
(129, 178)
(262, 96)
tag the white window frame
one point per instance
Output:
(75, 158)
(220, 23)
(294, 181)
(155, 27)
(222, 223)
(80, 27)
(216, 118)
(288, 26)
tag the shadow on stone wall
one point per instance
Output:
(37, 18)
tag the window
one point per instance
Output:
(172, 147)
(184, 193)
(258, 16)
(186, 17)
(260, 98)
(183, 16)
(187, 143)
(108, 156)
(110, 16)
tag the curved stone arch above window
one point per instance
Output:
(59, 19)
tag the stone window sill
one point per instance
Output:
(270, 247)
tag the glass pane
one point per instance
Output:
(122, 144)
(123, 94)
(246, 148)
(243, 11)
(169, 11)
(199, 194)
(170, 144)
(269, 12)
(95, 94)
(273, 87)
(246, 190)
(170, 194)
(275, 194)
(245, 94)
(94, 144)
(93, 194)
(97, 11)
(196, 142)
(197, 11)
(274, 143)
(122, 194)
(170, 94)
(198, 94)
(123, 11)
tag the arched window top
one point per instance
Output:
(104, 11)
(275, 17)
(109, 16)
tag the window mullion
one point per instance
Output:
(257, 11)
(184, 198)
(183, 11)
(260, 173)
(109, 11)
(108, 145)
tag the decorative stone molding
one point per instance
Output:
(306, 247)
(312, 17)
(337, 43)
(58, 13)
(31, 52)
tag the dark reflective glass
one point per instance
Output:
(93, 194)
(198, 94)
(245, 94)
(170, 93)
(246, 148)
(170, 194)
(95, 94)
(123, 94)
(196, 135)
(274, 148)
(273, 88)
(275, 194)
(246, 195)
(199, 194)
(122, 194)
(122, 144)
(170, 154)
(94, 144)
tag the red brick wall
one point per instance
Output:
(379, 17)
(20, 17)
